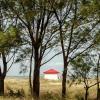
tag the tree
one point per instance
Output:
(96, 60)
(34, 19)
(98, 70)
(82, 68)
(9, 44)
(87, 62)
(75, 29)
(10, 41)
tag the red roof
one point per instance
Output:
(51, 71)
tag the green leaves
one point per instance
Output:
(9, 39)
(26, 2)
(82, 65)
(29, 15)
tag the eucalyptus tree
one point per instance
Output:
(9, 41)
(82, 67)
(34, 16)
(96, 69)
(77, 28)
(82, 70)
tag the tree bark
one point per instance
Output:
(98, 89)
(36, 75)
(30, 72)
(36, 83)
(64, 76)
(86, 93)
(98, 93)
(3, 75)
(1, 86)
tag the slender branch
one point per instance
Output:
(11, 57)
(94, 84)
(72, 28)
(81, 52)
(30, 71)
(51, 58)
(11, 63)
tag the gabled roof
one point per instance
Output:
(51, 71)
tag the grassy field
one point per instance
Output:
(18, 89)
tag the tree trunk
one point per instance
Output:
(30, 72)
(36, 82)
(98, 89)
(98, 94)
(36, 75)
(3, 75)
(64, 76)
(86, 94)
(1, 86)
(64, 85)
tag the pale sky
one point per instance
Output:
(55, 63)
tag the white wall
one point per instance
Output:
(51, 76)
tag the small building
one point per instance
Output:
(51, 74)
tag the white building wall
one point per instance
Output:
(51, 76)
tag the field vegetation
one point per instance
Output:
(18, 89)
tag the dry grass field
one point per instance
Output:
(18, 89)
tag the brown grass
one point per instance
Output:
(18, 89)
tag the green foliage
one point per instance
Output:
(24, 54)
(9, 39)
(90, 8)
(82, 66)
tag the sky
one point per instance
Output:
(55, 63)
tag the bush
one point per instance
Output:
(51, 96)
(15, 93)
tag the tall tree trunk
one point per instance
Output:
(36, 82)
(3, 75)
(1, 86)
(30, 72)
(98, 85)
(86, 93)
(98, 89)
(98, 92)
(36, 75)
(64, 76)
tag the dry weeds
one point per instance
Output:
(18, 89)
